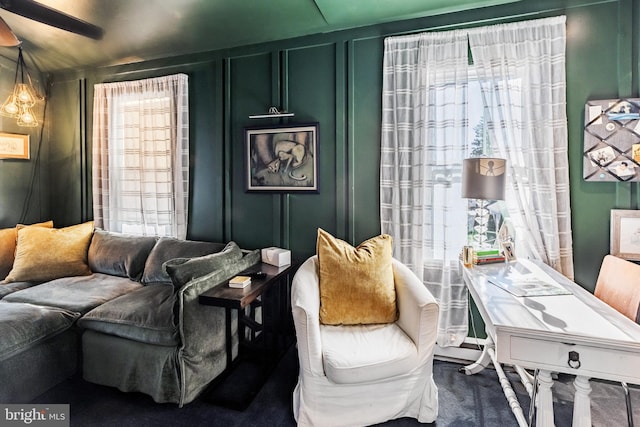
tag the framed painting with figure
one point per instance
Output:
(625, 234)
(14, 146)
(282, 158)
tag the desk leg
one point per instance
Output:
(482, 362)
(526, 379)
(508, 391)
(544, 414)
(582, 402)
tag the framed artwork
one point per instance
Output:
(282, 158)
(625, 234)
(612, 140)
(14, 146)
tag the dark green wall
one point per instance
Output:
(335, 79)
(24, 190)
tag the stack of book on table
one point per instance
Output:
(239, 282)
(488, 256)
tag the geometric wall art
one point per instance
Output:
(612, 140)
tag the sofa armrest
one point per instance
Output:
(202, 328)
(417, 307)
(305, 304)
(193, 318)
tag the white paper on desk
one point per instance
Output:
(521, 281)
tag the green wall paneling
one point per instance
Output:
(206, 152)
(69, 153)
(593, 70)
(253, 216)
(335, 79)
(312, 95)
(365, 118)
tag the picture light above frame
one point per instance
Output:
(612, 140)
(273, 112)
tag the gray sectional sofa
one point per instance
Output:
(133, 323)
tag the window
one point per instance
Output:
(480, 145)
(438, 110)
(141, 156)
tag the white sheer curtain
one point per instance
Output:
(521, 67)
(424, 129)
(141, 156)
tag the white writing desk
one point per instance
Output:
(572, 333)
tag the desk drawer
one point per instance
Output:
(596, 362)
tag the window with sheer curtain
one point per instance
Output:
(141, 156)
(496, 90)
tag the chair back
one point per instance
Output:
(618, 285)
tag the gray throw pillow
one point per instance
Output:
(183, 270)
(168, 248)
(118, 254)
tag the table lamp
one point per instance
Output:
(483, 179)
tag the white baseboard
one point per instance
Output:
(469, 351)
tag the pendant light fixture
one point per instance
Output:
(24, 96)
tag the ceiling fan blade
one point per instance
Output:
(7, 38)
(41, 13)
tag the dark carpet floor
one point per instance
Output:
(475, 400)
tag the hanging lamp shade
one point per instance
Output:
(10, 107)
(24, 95)
(19, 104)
(27, 118)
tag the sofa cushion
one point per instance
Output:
(118, 254)
(8, 239)
(183, 270)
(167, 248)
(79, 294)
(44, 254)
(8, 288)
(144, 315)
(383, 351)
(23, 326)
(356, 284)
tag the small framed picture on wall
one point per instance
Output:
(625, 234)
(14, 146)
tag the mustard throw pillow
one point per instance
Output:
(356, 284)
(8, 239)
(44, 254)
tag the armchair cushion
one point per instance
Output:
(364, 353)
(356, 284)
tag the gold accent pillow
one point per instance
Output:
(44, 254)
(356, 284)
(8, 239)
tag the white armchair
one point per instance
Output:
(365, 374)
